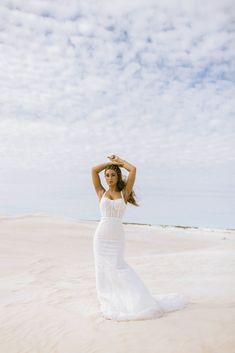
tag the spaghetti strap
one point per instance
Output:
(123, 197)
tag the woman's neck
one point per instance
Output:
(112, 189)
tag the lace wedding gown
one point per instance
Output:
(121, 293)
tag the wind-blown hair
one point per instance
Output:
(121, 183)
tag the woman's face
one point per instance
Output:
(111, 177)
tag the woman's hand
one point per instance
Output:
(115, 159)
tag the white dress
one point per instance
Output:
(121, 293)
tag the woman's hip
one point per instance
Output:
(109, 230)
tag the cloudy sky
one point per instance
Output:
(150, 81)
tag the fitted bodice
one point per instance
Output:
(112, 208)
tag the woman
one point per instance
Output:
(121, 293)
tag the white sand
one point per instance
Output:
(48, 298)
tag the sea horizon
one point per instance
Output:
(177, 226)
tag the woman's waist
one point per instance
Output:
(111, 218)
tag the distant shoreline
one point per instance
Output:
(167, 225)
(2, 217)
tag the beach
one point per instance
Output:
(48, 301)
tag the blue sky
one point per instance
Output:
(150, 81)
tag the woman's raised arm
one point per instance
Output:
(96, 178)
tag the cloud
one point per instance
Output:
(153, 82)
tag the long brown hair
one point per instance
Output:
(121, 183)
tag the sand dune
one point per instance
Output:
(48, 300)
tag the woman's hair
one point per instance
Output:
(121, 183)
